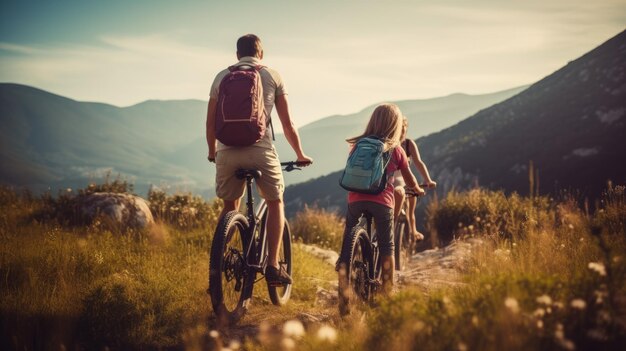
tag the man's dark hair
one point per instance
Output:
(249, 45)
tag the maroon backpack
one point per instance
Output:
(240, 118)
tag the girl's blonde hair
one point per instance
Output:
(386, 124)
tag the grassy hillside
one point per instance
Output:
(49, 141)
(542, 274)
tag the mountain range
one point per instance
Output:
(53, 142)
(569, 126)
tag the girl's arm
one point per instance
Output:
(419, 164)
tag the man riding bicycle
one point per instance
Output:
(260, 155)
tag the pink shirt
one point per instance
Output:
(398, 161)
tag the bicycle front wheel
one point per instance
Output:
(230, 282)
(402, 243)
(354, 278)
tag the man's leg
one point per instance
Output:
(275, 225)
(229, 205)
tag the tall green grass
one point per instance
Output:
(315, 225)
(85, 286)
(547, 276)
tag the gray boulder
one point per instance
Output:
(117, 210)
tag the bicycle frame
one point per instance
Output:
(256, 257)
(256, 251)
(375, 271)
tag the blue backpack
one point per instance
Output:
(365, 170)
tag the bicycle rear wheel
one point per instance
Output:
(354, 277)
(280, 294)
(230, 282)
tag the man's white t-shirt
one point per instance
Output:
(272, 86)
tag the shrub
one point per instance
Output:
(486, 212)
(314, 225)
(65, 207)
(184, 211)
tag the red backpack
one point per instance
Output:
(240, 118)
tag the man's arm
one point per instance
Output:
(210, 128)
(291, 133)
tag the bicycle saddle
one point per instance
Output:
(245, 173)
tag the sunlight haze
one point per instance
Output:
(336, 57)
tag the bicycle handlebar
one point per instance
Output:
(409, 192)
(294, 165)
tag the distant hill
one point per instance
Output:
(571, 125)
(48, 141)
(325, 139)
(52, 142)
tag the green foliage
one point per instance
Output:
(184, 211)
(65, 207)
(315, 225)
(118, 186)
(143, 289)
(486, 212)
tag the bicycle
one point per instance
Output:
(239, 251)
(404, 242)
(362, 276)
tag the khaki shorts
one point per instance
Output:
(229, 187)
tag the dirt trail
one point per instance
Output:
(435, 268)
(426, 270)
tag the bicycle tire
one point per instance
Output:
(227, 263)
(280, 295)
(402, 243)
(354, 281)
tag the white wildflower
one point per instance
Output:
(327, 333)
(566, 344)
(578, 304)
(293, 328)
(598, 267)
(288, 344)
(544, 299)
(539, 313)
(540, 324)
(475, 321)
(512, 304)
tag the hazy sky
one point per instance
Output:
(335, 56)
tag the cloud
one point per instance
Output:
(333, 61)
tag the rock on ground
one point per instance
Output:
(122, 210)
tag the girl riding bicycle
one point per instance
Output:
(412, 153)
(386, 125)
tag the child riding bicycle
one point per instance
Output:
(385, 124)
(410, 148)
